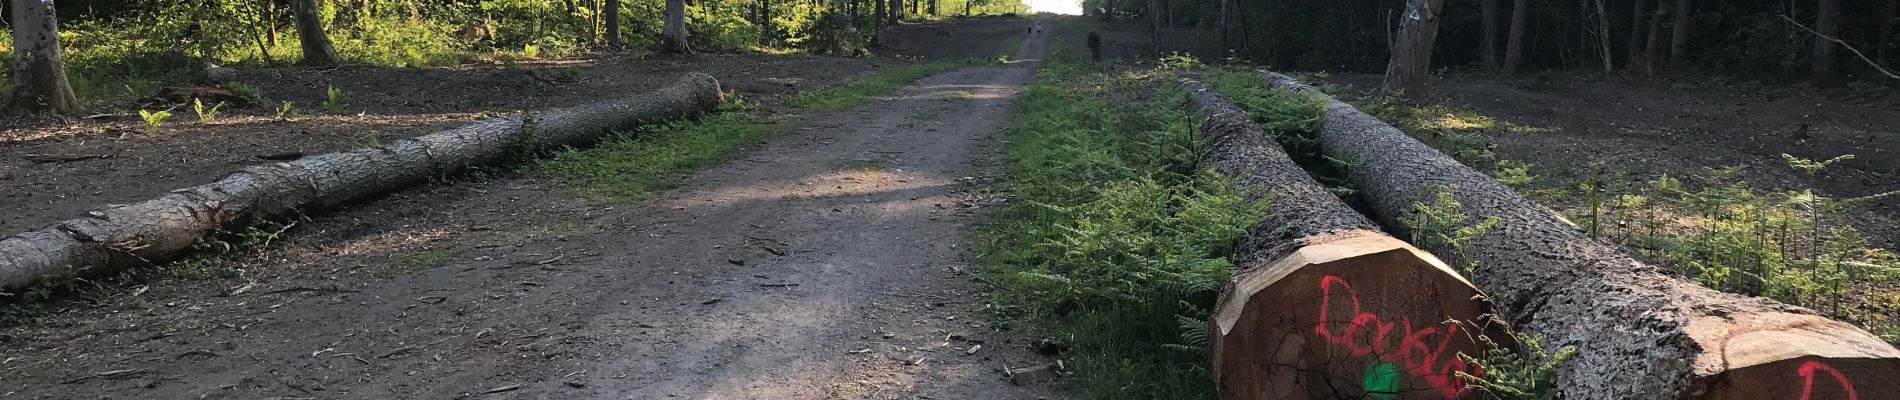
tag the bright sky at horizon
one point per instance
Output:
(1067, 7)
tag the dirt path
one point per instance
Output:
(825, 265)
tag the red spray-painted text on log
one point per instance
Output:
(1807, 374)
(1368, 334)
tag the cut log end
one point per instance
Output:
(1810, 378)
(1367, 316)
(1793, 356)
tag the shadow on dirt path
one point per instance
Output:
(824, 265)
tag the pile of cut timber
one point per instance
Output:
(118, 237)
(1640, 332)
(1324, 298)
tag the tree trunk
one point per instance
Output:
(613, 25)
(1652, 54)
(1886, 43)
(897, 11)
(1639, 332)
(1153, 12)
(1635, 47)
(765, 15)
(673, 36)
(1488, 37)
(933, 8)
(1679, 34)
(317, 50)
(39, 73)
(878, 12)
(1411, 58)
(1313, 273)
(1827, 21)
(1603, 35)
(1514, 46)
(118, 237)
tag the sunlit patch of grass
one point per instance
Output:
(865, 89)
(636, 163)
(1458, 121)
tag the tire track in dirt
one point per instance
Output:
(824, 265)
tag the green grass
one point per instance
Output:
(636, 163)
(1116, 242)
(863, 90)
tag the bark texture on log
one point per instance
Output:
(118, 237)
(1640, 332)
(1321, 290)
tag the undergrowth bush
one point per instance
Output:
(1117, 241)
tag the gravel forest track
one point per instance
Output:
(825, 264)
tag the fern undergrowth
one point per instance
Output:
(1117, 242)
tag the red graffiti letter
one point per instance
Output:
(1807, 375)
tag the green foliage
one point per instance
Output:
(1527, 372)
(1293, 119)
(249, 92)
(205, 115)
(1177, 60)
(283, 110)
(1443, 227)
(636, 163)
(154, 119)
(835, 34)
(333, 99)
(1117, 239)
(862, 90)
(1514, 173)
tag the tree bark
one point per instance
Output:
(933, 7)
(1312, 274)
(1514, 46)
(118, 237)
(1679, 34)
(673, 36)
(1886, 43)
(39, 72)
(317, 50)
(1488, 37)
(1640, 333)
(1827, 21)
(1652, 54)
(613, 25)
(1635, 47)
(1411, 58)
(1153, 11)
(897, 11)
(1603, 35)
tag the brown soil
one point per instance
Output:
(1647, 131)
(826, 264)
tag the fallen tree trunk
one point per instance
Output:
(118, 237)
(1640, 332)
(1321, 291)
